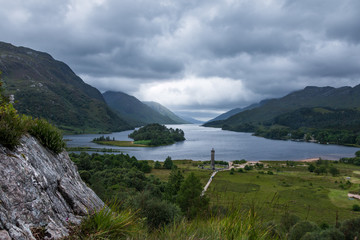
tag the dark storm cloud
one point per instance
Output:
(208, 55)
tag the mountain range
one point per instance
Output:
(46, 88)
(322, 114)
(140, 113)
(309, 97)
(235, 111)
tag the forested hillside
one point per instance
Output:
(323, 114)
(47, 88)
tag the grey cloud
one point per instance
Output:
(273, 47)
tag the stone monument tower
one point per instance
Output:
(213, 159)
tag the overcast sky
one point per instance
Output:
(196, 57)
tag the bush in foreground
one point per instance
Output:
(48, 135)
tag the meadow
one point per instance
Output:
(281, 187)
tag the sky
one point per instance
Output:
(199, 58)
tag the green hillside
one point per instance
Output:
(323, 114)
(47, 88)
(345, 97)
(135, 111)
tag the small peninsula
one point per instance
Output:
(151, 135)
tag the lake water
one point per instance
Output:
(228, 146)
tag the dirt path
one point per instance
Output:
(357, 196)
(208, 183)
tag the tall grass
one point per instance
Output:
(111, 222)
(237, 224)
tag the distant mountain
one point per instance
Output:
(317, 114)
(191, 120)
(47, 88)
(165, 112)
(336, 98)
(234, 111)
(135, 111)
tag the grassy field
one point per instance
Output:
(318, 198)
(186, 166)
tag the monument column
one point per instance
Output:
(213, 159)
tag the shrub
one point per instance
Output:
(356, 208)
(109, 223)
(301, 228)
(311, 168)
(156, 211)
(168, 163)
(12, 126)
(157, 165)
(288, 220)
(334, 171)
(332, 233)
(48, 135)
(248, 167)
(351, 228)
(232, 171)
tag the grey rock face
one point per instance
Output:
(41, 190)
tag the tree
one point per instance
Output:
(168, 163)
(189, 199)
(334, 171)
(157, 165)
(173, 185)
(311, 168)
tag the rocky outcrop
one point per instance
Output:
(41, 191)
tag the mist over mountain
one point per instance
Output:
(165, 112)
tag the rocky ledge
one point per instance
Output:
(40, 191)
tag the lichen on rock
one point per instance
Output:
(39, 189)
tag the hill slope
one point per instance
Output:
(47, 88)
(344, 97)
(165, 112)
(235, 111)
(134, 110)
(323, 114)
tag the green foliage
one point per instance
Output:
(301, 228)
(356, 208)
(156, 211)
(351, 228)
(173, 185)
(242, 161)
(189, 199)
(311, 167)
(109, 223)
(48, 135)
(334, 171)
(116, 176)
(12, 126)
(157, 165)
(103, 138)
(248, 167)
(158, 134)
(328, 234)
(168, 163)
(288, 220)
(232, 171)
(237, 224)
